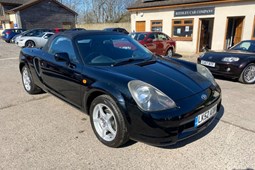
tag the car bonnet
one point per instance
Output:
(173, 79)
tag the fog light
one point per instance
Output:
(228, 69)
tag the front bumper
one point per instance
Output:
(231, 70)
(21, 43)
(168, 127)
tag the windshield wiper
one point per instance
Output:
(126, 61)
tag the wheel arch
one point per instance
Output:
(170, 47)
(101, 89)
(245, 64)
(22, 64)
(30, 40)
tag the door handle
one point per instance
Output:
(71, 66)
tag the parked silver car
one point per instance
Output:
(34, 41)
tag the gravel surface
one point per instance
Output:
(43, 132)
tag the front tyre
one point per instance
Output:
(28, 82)
(30, 44)
(248, 74)
(107, 122)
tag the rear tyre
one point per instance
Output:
(170, 53)
(107, 122)
(28, 82)
(30, 44)
(248, 74)
(8, 41)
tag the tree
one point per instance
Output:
(99, 11)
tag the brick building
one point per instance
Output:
(30, 14)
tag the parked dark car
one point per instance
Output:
(237, 62)
(8, 34)
(121, 30)
(157, 42)
(128, 92)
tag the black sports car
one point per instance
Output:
(238, 62)
(128, 92)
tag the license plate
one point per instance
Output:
(202, 118)
(208, 63)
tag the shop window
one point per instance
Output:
(253, 31)
(182, 29)
(157, 25)
(1, 10)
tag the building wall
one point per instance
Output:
(46, 14)
(222, 11)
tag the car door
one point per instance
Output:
(150, 42)
(162, 44)
(60, 77)
(41, 41)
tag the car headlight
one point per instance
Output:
(148, 97)
(230, 59)
(206, 73)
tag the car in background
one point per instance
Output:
(34, 41)
(121, 30)
(58, 30)
(237, 62)
(32, 33)
(8, 34)
(157, 42)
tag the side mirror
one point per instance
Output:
(62, 57)
(149, 40)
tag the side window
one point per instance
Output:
(162, 37)
(47, 36)
(153, 36)
(63, 45)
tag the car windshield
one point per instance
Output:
(40, 35)
(248, 46)
(138, 36)
(111, 50)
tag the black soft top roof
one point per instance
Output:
(75, 34)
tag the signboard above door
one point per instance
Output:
(194, 12)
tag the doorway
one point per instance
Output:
(234, 31)
(140, 26)
(206, 33)
(11, 24)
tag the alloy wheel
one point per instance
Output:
(104, 122)
(26, 79)
(249, 74)
(170, 53)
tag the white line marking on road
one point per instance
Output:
(2, 59)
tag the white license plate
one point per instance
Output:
(208, 63)
(202, 118)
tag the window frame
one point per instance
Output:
(157, 25)
(182, 24)
(73, 47)
(253, 30)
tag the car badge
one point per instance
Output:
(204, 97)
